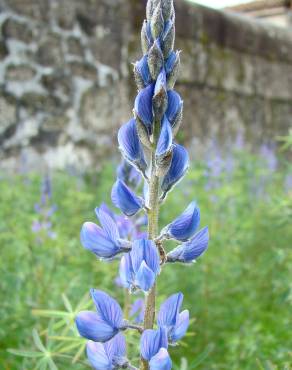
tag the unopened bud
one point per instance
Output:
(155, 60)
(142, 132)
(145, 38)
(163, 164)
(167, 9)
(177, 122)
(157, 22)
(173, 74)
(168, 39)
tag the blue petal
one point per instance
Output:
(97, 356)
(181, 326)
(161, 361)
(128, 174)
(152, 341)
(165, 139)
(95, 239)
(145, 278)
(108, 308)
(116, 347)
(169, 64)
(108, 224)
(178, 167)
(126, 272)
(143, 106)
(143, 69)
(91, 326)
(169, 310)
(151, 256)
(160, 82)
(125, 199)
(184, 226)
(130, 145)
(174, 105)
(196, 246)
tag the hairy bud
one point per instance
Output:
(163, 164)
(168, 39)
(167, 9)
(173, 73)
(155, 60)
(157, 22)
(145, 38)
(177, 122)
(142, 132)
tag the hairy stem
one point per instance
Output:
(152, 234)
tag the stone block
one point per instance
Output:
(15, 29)
(50, 52)
(20, 72)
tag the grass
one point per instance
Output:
(239, 293)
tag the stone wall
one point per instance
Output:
(66, 84)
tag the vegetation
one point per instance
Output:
(240, 292)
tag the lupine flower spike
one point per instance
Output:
(150, 153)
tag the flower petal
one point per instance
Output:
(97, 356)
(181, 326)
(196, 246)
(126, 271)
(108, 308)
(174, 105)
(116, 347)
(143, 70)
(152, 341)
(95, 239)
(178, 167)
(169, 310)
(143, 106)
(108, 224)
(125, 199)
(91, 326)
(161, 361)
(184, 226)
(165, 140)
(145, 277)
(151, 256)
(130, 145)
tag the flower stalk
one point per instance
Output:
(147, 143)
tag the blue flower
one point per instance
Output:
(143, 106)
(142, 68)
(188, 252)
(178, 167)
(184, 226)
(174, 107)
(125, 199)
(130, 145)
(128, 174)
(164, 144)
(139, 268)
(107, 356)
(161, 361)
(103, 241)
(152, 341)
(169, 317)
(105, 323)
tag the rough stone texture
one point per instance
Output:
(66, 83)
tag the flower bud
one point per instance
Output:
(157, 22)
(145, 37)
(155, 60)
(172, 66)
(167, 9)
(160, 96)
(143, 133)
(168, 39)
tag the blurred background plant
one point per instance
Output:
(241, 296)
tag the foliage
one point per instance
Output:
(240, 292)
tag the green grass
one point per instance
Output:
(239, 292)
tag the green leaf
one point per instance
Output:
(37, 341)
(24, 353)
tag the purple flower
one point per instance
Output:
(164, 145)
(105, 241)
(188, 252)
(105, 323)
(125, 199)
(139, 268)
(107, 356)
(152, 341)
(143, 106)
(169, 317)
(184, 226)
(142, 69)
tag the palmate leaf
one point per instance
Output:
(25, 353)
(37, 341)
